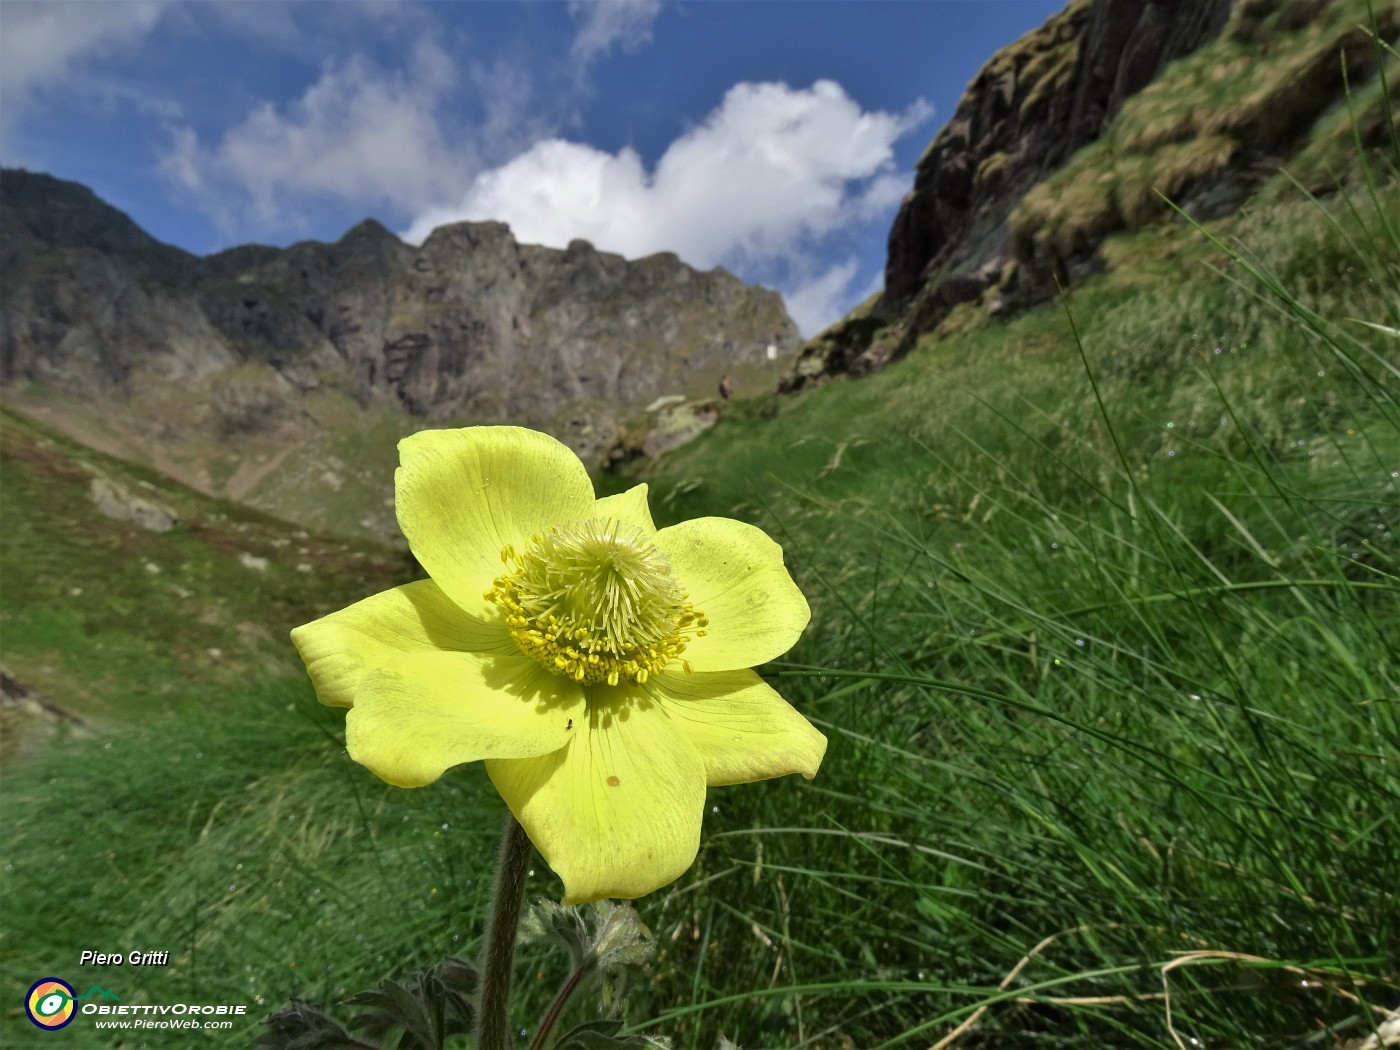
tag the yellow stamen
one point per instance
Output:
(595, 601)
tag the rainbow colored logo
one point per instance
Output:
(49, 1003)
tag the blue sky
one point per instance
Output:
(775, 138)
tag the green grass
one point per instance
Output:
(1112, 663)
(1106, 609)
(245, 844)
(195, 803)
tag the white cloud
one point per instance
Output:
(761, 181)
(42, 43)
(271, 24)
(512, 117)
(358, 134)
(814, 304)
(603, 24)
(556, 191)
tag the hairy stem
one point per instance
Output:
(498, 954)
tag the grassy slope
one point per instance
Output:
(1142, 705)
(206, 807)
(86, 592)
(1123, 675)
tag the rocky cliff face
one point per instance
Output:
(1066, 135)
(470, 325)
(470, 328)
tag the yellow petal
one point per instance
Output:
(422, 713)
(735, 575)
(462, 496)
(340, 649)
(742, 729)
(630, 507)
(617, 812)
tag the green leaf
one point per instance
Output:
(301, 1026)
(605, 934)
(602, 1035)
(428, 1007)
(560, 925)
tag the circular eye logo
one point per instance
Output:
(49, 1003)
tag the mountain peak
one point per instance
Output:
(62, 214)
(369, 230)
(289, 348)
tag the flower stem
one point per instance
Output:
(560, 1001)
(498, 955)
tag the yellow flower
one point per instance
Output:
(598, 665)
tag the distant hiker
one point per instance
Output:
(726, 387)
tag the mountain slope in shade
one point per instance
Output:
(1079, 130)
(283, 376)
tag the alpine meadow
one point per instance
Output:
(1097, 510)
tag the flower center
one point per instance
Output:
(595, 600)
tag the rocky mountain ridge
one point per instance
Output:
(142, 348)
(1071, 133)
